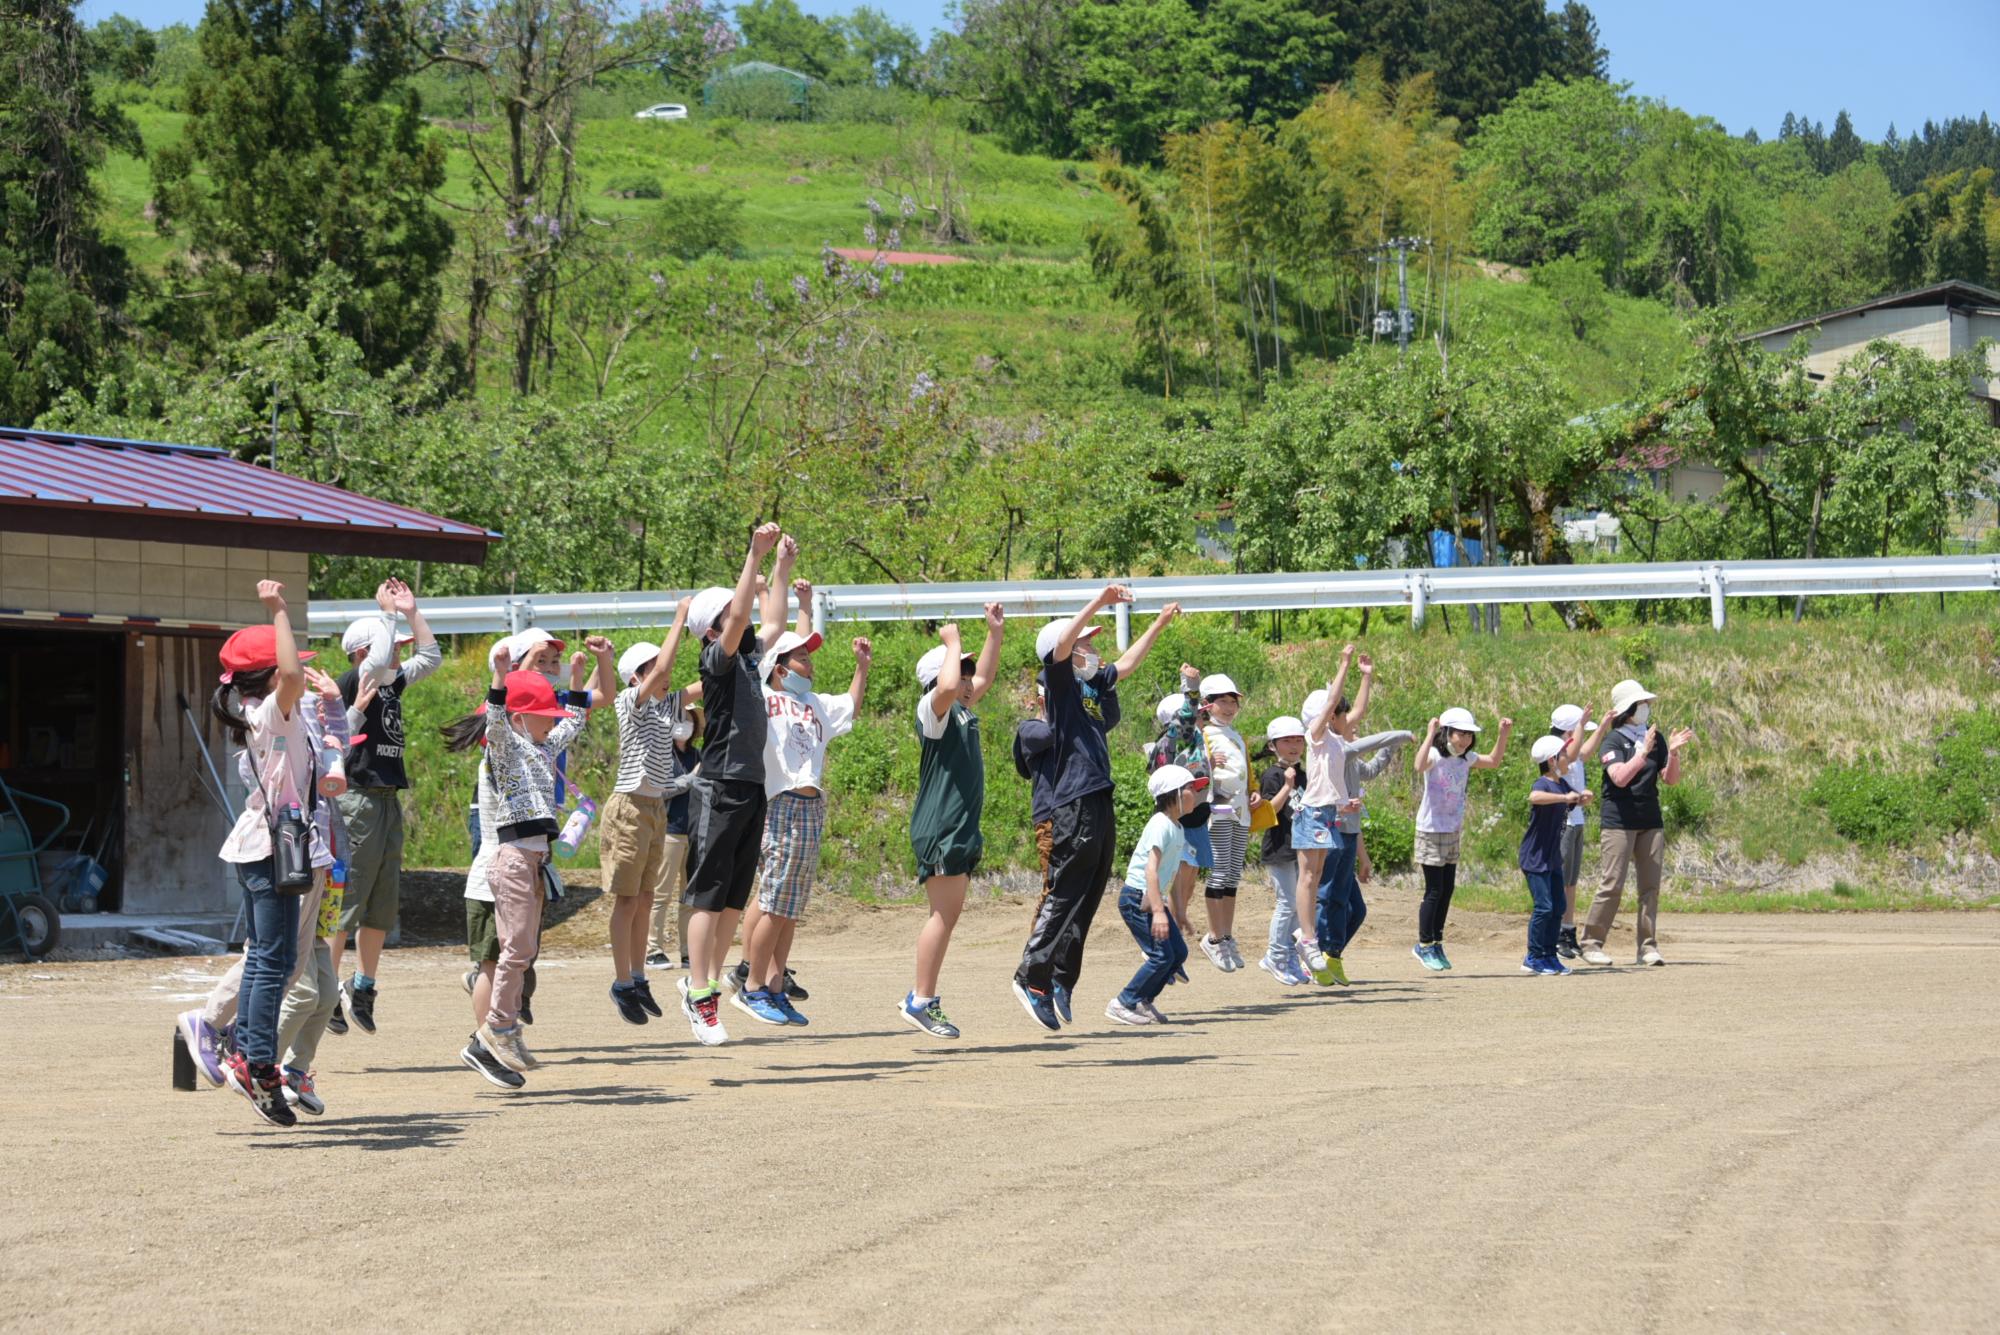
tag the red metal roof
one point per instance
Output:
(89, 485)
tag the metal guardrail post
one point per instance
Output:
(1124, 619)
(820, 601)
(1419, 598)
(1718, 610)
(513, 617)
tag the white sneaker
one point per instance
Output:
(1122, 1014)
(1217, 955)
(1310, 952)
(1595, 955)
(1650, 956)
(1235, 953)
(505, 1048)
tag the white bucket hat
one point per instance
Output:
(1170, 779)
(706, 608)
(1567, 717)
(1546, 748)
(1315, 704)
(360, 634)
(1284, 726)
(1215, 683)
(635, 658)
(1459, 719)
(1626, 694)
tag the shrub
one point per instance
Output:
(1640, 650)
(695, 222)
(635, 187)
(758, 98)
(863, 104)
(1868, 805)
(1391, 837)
(1686, 805)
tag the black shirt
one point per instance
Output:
(733, 743)
(1278, 839)
(1636, 805)
(378, 761)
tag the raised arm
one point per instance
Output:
(1109, 596)
(776, 591)
(1317, 725)
(864, 659)
(428, 657)
(604, 681)
(1675, 744)
(1129, 661)
(987, 670)
(736, 617)
(802, 593)
(949, 676)
(1427, 752)
(1499, 747)
(1361, 697)
(291, 679)
(658, 677)
(379, 663)
(1573, 744)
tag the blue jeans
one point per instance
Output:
(270, 949)
(1162, 957)
(1543, 923)
(1285, 911)
(1341, 908)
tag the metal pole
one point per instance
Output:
(1420, 591)
(1402, 246)
(513, 617)
(819, 611)
(1718, 611)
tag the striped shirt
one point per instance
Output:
(646, 762)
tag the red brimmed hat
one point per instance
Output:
(253, 649)
(530, 693)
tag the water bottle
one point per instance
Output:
(332, 901)
(576, 827)
(333, 770)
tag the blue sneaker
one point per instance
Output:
(1039, 1006)
(1428, 957)
(1280, 969)
(759, 1006)
(1437, 953)
(787, 1009)
(1549, 966)
(1555, 967)
(931, 1018)
(1059, 996)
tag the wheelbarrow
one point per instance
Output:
(29, 921)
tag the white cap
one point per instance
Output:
(787, 642)
(932, 664)
(1546, 748)
(1460, 719)
(1315, 704)
(1215, 684)
(1567, 717)
(526, 642)
(361, 634)
(1284, 726)
(1170, 779)
(706, 608)
(1168, 709)
(1626, 694)
(1049, 635)
(634, 660)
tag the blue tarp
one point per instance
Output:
(1444, 552)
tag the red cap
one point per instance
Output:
(530, 693)
(252, 649)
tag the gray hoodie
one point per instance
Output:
(1359, 770)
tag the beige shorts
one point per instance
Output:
(634, 835)
(1436, 850)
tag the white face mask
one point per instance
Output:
(683, 729)
(1643, 714)
(1091, 663)
(550, 677)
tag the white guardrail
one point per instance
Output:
(1416, 589)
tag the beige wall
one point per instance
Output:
(112, 576)
(1931, 329)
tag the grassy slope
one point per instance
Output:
(1772, 704)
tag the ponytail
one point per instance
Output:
(243, 685)
(465, 733)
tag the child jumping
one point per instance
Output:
(1445, 761)
(951, 796)
(1326, 856)
(1142, 902)
(1550, 803)
(1281, 783)
(1566, 720)
(1235, 800)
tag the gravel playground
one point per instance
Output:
(1793, 1127)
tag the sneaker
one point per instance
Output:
(360, 1004)
(1309, 952)
(644, 988)
(1159, 1016)
(475, 1055)
(337, 1022)
(1059, 998)
(627, 1001)
(267, 1096)
(299, 1091)
(704, 1016)
(784, 1003)
(928, 1018)
(1532, 964)
(658, 960)
(1119, 1013)
(1566, 943)
(1039, 1006)
(1554, 966)
(792, 988)
(471, 980)
(1651, 957)
(1323, 971)
(759, 1006)
(203, 1045)
(1180, 975)
(527, 1009)
(1235, 954)
(1437, 953)
(504, 1048)
(1280, 970)
(1339, 970)
(1594, 955)
(1428, 957)
(738, 980)
(1216, 954)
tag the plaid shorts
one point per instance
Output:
(792, 829)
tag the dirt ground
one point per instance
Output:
(1793, 1127)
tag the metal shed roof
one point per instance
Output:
(92, 486)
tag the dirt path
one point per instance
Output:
(1795, 1126)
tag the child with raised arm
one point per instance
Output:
(1281, 783)
(951, 797)
(1568, 720)
(1326, 856)
(1445, 761)
(729, 802)
(526, 730)
(634, 823)
(1142, 902)
(1082, 693)
(1550, 803)
(1235, 799)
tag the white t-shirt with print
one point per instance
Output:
(280, 751)
(796, 734)
(1443, 807)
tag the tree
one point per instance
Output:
(780, 32)
(1145, 70)
(1551, 170)
(1691, 195)
(880, 51)
(1829, 247)
(1274, 56)
(1485, 51)
(305, 147)
(1576, 52)
(1577, 290)
(1015, 62)
(1941, 232)
(123, 49)
(60, 280)
(1843, 146)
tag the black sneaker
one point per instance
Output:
(645, 990)
(739, 977)
(265, 1090)
(792, 988)
(1566, 943)
(475, 1055)
(360, 1005)
(527, 1009)
(627, 1001)
(685, 966)
(338, 1023)
(658, 960)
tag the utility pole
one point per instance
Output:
(1404, 321)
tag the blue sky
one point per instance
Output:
(1744, 62)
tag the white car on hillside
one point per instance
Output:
(662, 111)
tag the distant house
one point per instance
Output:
(1942, 320)
(758, 75)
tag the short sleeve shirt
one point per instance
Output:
(1541, 847)
(1634, 805)
(280, 753)
(733, 743)
(1278, 839)
(1443, 808)
(1078, 763)
(1164, 833)
(797, 731)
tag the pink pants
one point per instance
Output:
(515, 878)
